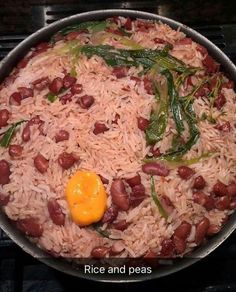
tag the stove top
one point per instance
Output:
(19, 271)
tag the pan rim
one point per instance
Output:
(35, 251)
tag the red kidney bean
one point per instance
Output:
(37, 52)
(180, 244)
(35, 121)
(202, 91)
(99, 128)
(137, 195)
(100, 252)
(25, 92)
(167, 248)
(142, 123)
(145, 23)
(114, 31)
(117, 248)
(15, 99)
(120, 72)
(41, 163)
(62, 135)
(231, 189)
(76, 88)
(30, 227)
(104, 180)
(209, 204)
(121, 225)
(66, 160)
(213, 229)
(42, 46)
(23, 63)
(210, 65)
(225, 127)
(199, 183)
(119, 195)
(110, 215)
(68, 81)
(201, 49)
(159, 41)
(167, 204)
(228, 84)
(200, 198)
(136, 79)
(4, 172)
(183, 230)
(148, 85)
(66, 98)
(184, 41)
(56, 85)
(55, 212)
(143, 26)
(26, 133)
(201, 230)
(4, 117)
(222, 203)
(155, 152)
(220, 189)
(133, 181)
(85, 101)
(203, 200)
(155, 168)
(185, 172)
(4, 199)
(15, 150)
(128, 24)
(220, 101)
(41, 83)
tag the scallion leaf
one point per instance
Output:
(93, 26)
(103, 233)
(157, 201)
(6, 139)
(73, 72)
(159, 118)
(52, 97)
(175, 105)
(178, 161)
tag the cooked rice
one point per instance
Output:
(117, 153)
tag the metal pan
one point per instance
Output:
(9, 228)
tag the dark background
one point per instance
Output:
(214, 19)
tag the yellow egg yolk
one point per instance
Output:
(86, 197)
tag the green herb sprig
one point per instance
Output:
(159, 117)
(157, 201)
(7, 137)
